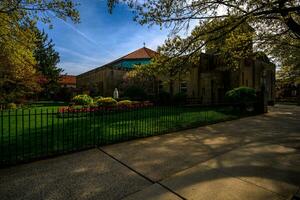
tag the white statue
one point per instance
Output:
(116, 93)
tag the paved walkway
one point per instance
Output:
(251, 158)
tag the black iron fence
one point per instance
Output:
(29, 134)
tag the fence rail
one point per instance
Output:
(30, 134)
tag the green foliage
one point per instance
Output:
(288, 75)
(11, 106)
(135, 93)
(164, 98)
(241, 95)
(83, 99)
(106, 101)
(138, 82)
(97, 98)
(36, 10)
(222, 27)
(18, 41)
(64, 94)
(118, 126)
(124, 102)
(179, 98)
(47, 59)
(230, 46)
(18, 77)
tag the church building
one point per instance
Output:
(103, 80)
(206, 82)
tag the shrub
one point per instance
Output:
(125, 102)
(97, 98)
(106, 101)
(164, 97)
(82, 99)
(242, 95)
(180, 98)
(135, 93)
(12, 106)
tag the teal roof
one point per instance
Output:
(129, 64)
(139, 57)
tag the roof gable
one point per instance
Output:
(67, 80)
(141, 56)
(141, 53)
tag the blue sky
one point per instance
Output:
(100, 37)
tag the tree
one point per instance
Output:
(37, 10)
(180, 13)
(17, 64)
(18, 13)
(288, 75)
(168, 70)
(275, 22)
(47, 59)
(18, 69)
(287, 82)
(230, 48)
(138, 82)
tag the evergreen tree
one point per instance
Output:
(47, 59)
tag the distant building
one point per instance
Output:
(205, 82)
(67, 81)
(103, 80)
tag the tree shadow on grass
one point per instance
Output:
(47, 134)
(222, 157)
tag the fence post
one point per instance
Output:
(29, 132)
(16, 134)
(9, 152)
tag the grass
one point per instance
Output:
(35, 133)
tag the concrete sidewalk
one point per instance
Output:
(251, 158)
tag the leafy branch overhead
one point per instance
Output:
(26, 53)
(15, 15)
(273, 23)
(41, 10)
(180, 13)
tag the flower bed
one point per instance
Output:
(82, 111)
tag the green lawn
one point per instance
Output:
(35, 133)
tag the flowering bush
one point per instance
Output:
(78, 111)
(124, 102)
(107, 101)
(83, 99)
